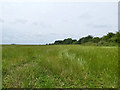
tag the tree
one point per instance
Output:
(116, 38)
(108, 37)
(58, 42)
(68, 41)
(86, 39)
(96, 39)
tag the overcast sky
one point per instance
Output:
(41, 23)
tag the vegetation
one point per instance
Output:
(66, 66)
(110, 39)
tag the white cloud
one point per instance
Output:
(59, 0)
(46, 22)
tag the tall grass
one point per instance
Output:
(59, 66)
(0, 66)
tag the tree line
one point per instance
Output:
(109, 39)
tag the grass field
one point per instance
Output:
(55, 66)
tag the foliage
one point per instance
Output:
(65, 41)
(109, 39)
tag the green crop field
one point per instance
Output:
(56, 66)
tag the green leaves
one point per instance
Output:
(110, 39)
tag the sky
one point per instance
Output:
(45, 22)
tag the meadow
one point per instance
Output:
(59, 66)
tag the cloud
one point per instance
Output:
(41, 24)
(61, 20)
(1, 20)
(85, 15)
(19, 21)
(54, 34)
(35, 23)
(99, 25)
(102, 26)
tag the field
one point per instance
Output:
(56, 66)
